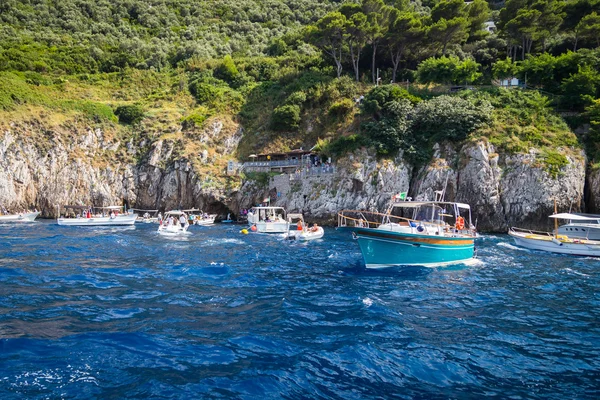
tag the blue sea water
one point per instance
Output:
(125, 313)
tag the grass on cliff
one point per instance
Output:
(523, 120)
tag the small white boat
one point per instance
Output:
(96, 216)
(200, 218)
(268, 220)
(303, 232)
(148, 216)
(174, 223)
(21, 217)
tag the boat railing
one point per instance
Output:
(371, 219)
(530, 231)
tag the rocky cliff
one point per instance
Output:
(503, 190)
(43, 168)
(46, 168)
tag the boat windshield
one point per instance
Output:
(429, 213)
(584, 222)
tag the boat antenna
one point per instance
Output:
(555, 220)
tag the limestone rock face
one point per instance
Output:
(358, 182)
(502, 190)
(45, 169)
(593, 191)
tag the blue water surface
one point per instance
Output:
(125, 313)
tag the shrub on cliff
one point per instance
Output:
(286, 118)
(130, 114)
(450, 118)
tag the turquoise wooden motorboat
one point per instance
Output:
(435, 234)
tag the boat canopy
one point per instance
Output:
(192, 210)
(175, 212)
(415, 204)
(576, 217)
(139, 209)
(268, 208)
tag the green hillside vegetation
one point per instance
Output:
(292, 73)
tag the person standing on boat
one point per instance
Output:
(182, 220)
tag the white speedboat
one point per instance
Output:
(268, 220)
(174, 222)
(20, 217)
(96, 216)
(303, 232)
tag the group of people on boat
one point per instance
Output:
(173, 221)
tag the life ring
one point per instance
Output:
(460, 223)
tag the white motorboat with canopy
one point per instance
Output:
(146, 216)
(581, 226)
(96, 216)
(578, 237)
(197, 217)
(25, 216)
(174, 222)
(302, 230)
(268, 220)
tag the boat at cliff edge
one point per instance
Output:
(437, 233)
(563, 240)
(96, 216)
(268, 220)
(20, 217)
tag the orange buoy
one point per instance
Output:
(253, 228)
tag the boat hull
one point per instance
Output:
(382, 249)
(271, 227)
(119, 220)
(539, 242)
(23, 217)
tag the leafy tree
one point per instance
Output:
(503, 69)
(405, 32)
(329, 35)
(448, 9)
(378, 16)
(448, 70)
(589, 27)
(582, 88)
(356, 36)
(450, 31)
(478, 12)
(592, 139)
